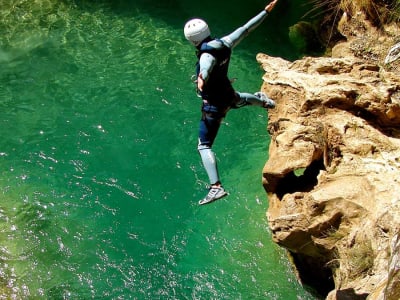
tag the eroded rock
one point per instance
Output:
(333, 174)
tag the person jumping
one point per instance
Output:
(215, 88)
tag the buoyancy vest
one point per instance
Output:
(218, 89)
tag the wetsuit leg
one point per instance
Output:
(243, 99)
(209, 163)
(209, 125)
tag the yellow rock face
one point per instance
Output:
(333, 174)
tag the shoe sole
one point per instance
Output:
(203, 201)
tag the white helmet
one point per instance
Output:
(196, 30)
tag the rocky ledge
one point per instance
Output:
(333, 173)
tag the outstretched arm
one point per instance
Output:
(237, 36)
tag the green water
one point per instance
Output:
(100, 176)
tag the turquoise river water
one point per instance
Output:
(100, 175)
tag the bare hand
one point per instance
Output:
(200, 83)
(271, 5)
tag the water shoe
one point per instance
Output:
(267, 102)
(214, 193)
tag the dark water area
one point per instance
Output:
(100, 176)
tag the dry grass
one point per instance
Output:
(353, 262)
(378, 11)
(360, 259)
(370, 34)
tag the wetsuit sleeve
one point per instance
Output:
(207, 63)
(237, 36)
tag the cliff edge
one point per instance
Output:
(333, 174)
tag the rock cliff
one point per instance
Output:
(333, 174)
